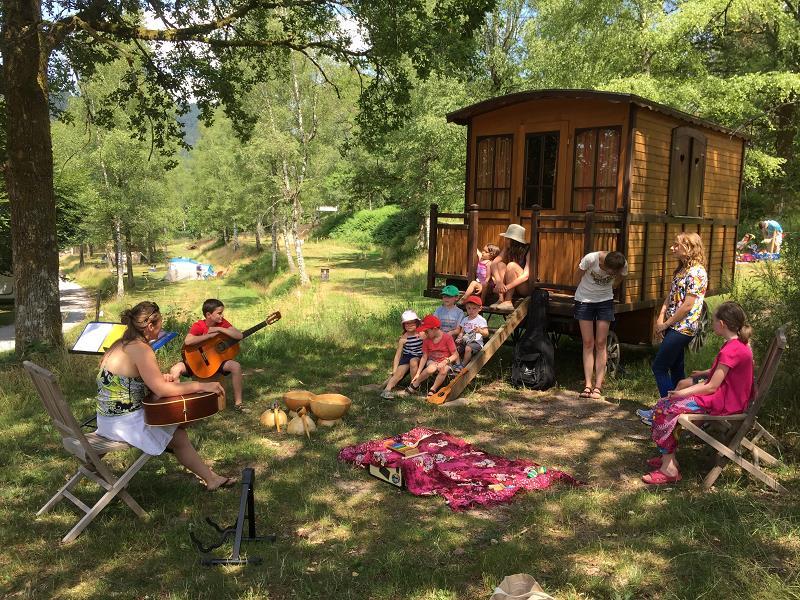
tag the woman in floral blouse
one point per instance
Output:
(680, 314)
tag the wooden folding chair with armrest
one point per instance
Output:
(89, 449)
(741, 425)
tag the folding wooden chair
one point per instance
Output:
(740, 426)
(89, 449)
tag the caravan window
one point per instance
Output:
(541, 159)
(595, 169)
(493, 172)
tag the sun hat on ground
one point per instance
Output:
(409, 315)
(429, 322)
(474, 300)
(515, 232)
(450, 290)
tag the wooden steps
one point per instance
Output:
(468, 373)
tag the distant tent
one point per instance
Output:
(180, 269)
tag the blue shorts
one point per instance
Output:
(405, 359)
(595, 311)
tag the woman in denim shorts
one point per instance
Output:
(597, 275)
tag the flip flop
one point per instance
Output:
(229, 482)
(586, 393)
(658, 478)
(654, 462)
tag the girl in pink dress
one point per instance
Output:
(725, 389)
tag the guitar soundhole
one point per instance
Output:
(221, 347)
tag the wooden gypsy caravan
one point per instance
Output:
(587, 170)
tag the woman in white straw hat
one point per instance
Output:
(510, 268)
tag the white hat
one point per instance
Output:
(515, 232)
(408, 316)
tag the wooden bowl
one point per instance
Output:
(296, 399)
(330, 406)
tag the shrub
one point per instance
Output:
(771, 298)
(391, 228)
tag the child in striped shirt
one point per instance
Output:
(409, 351)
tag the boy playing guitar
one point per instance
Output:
(206, 329)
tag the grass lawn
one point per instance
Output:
(342, 534)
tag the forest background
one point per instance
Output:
(315, 131)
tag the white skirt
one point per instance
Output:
(132, 429)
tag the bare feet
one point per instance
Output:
(220, 482)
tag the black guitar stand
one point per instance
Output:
(246, 512)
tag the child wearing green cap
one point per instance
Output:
(448, 313)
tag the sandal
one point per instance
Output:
(659, 478)
(432, 392)
(597, 394)
(412, 389)
(240, 408)
(654, 462)
(586, 393)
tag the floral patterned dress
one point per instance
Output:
(688, 282)
(120, 415)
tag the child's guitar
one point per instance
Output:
(206, 358)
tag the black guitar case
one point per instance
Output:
(534, 357)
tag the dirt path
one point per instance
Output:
(75, 303)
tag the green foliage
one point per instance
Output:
(771, 299)
(388, 227)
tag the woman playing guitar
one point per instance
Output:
(128, 372)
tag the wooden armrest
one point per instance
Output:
(702, 417)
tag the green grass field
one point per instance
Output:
(342, 534)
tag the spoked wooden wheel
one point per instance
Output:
(614, 354)
(703, 327)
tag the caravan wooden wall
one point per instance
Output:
(652, 230)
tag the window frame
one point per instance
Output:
(525, 205)
(594, 187)
(494, 190)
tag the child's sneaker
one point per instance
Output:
(387, 395)
(645, 415)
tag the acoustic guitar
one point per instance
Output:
(206, 358)
(184, 408)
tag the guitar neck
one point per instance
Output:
(254, 329)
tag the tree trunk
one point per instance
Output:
(289, 258)
(225, 234)
(258, 234)
(91, 250)
(235, 237)
(298, 244)
(129, 259)
(29, 178)
(118, 255)
(274, 233)
(81, 260)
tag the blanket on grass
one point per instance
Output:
(450, 467)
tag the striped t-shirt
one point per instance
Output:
(413, 345)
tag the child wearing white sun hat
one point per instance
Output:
(409, 351)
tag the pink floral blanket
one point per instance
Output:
(464, 476)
